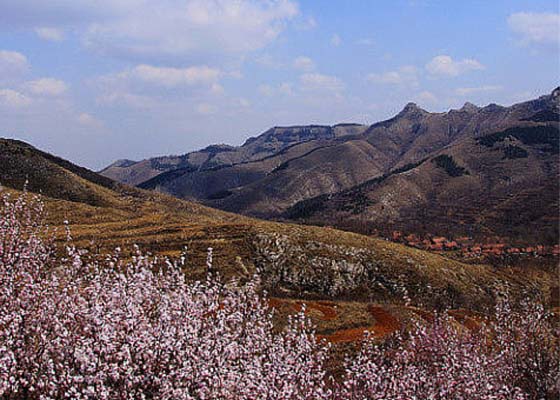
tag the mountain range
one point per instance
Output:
(489, 173)
(294, 261)
(350, 282)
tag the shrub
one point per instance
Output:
(434, 362)
(514, 356)
(448, 164)
(545, 136)
(222, 194)
(512, 152)
(544, 116)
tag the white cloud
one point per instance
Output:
(124, 98)
(465, 91)
(365, 42)
(12, 62)
(132, 28)
(217, 89)
(243, 102)
(12, 98)
(235, 74)
(304, 63)
(308, 24)
(444, 65)
(426, 97)
(266, 60)
(51, 34)
(538, 28)
(46, 87)
(404, 76)
(171, 77)
(315, 81)
(266, 90)
(147, 86)
(205, 109)
(312, 90)
(172, 27)
(88, 120)
(336, 40)
(285, 89)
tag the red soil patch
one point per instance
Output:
(385, 324)
(325, 308)
(466, 318)
(274, 303)
(347, 335)
(425, 315)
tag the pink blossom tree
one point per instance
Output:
(513, 355)
(433, 362)
(138, 329)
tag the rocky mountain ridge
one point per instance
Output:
(265, 145)
(285, 170)
(500, 187)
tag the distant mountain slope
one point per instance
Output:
(23, 165)
(327, 168)
(289, 172)
(339, 164)
(269, 143)
(214, 182)
(284, 166)
(500, 185)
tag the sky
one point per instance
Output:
(96, 81)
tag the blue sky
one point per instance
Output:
(95, 81)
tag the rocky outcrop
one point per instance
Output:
(292, 267)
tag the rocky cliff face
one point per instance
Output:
(265, 145)
(314, 269)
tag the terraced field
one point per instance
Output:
(341, 322)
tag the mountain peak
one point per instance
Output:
(469, 107)
(216, 148)
(493, 107)
(411, 109)
(123, 163)
(411, 106)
